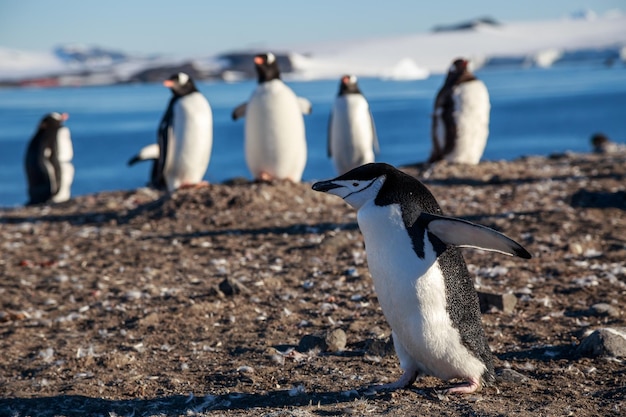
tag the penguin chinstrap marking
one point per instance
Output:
(460, 120)
(185, 135)
(48, 161)
(352, 139)
(420, 276)
(275, 140)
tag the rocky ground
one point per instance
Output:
(218, 301)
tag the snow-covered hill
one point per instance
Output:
(584, 37)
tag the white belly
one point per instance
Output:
(190, 142)
(412, 295)
(65, 154)
(275, 142)
(471, 103)
(351, 133)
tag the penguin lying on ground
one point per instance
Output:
(460, 121)
(352, 136)
(48, 161)
(185, 136)
(275, 142)
(420, 276)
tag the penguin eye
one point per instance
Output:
(355, 184)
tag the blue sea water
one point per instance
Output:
(534, 112)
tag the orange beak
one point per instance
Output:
(168, 83)
(345, 80)
(258, 60)
(65, 116)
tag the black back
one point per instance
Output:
(266, 66)
(416, 202)
(41, 187)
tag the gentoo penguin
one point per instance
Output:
(420, 276)
(460, 121)
(275, 142)
(48, 161)
(150, 153)
(352, 136)
(185, 135)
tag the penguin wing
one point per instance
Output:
(329, 134)
(374, 135)
(463, 233)
(305, 105)
(150, 152)
(240, 111)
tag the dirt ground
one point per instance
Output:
(140, 304)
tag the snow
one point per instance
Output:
(414, 56)
(540, 42)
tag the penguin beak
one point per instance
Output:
(325, 186)
(258, 60)
(65, 116)
(168, 83)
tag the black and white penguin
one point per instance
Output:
(352, 138)
(48, 161)
(185, 136)
(420, 276)
(460, 121)
(275, 140)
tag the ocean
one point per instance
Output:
(534, 112)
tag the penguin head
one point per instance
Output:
(53, 120)
(360, 185)
(181, 84)
(459, 72)
(266, 67)
(348, 85)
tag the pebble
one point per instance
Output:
(606, 342)
(604, 310)
(336, 340)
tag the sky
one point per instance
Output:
(188, 28)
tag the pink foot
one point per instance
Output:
(264, 176)
(405, 381)
(194, 185)
(471, 386)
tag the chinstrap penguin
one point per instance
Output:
(275, 140)
(460, 120)
(352, 138)
(48, 161)
(185, 136)
(420, 276)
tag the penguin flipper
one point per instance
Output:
(329, 135)
(149, 152)
(374, 135)
(240, 111)
(305, 105)
(458, 232)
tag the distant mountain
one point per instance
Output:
(584, 38)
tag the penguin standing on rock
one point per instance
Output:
(460, 121)
(185, 136)
(420, 276)
(48, 161)
(275, 140)
(352, 138)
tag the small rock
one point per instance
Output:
(604, 310)
(504, 302)
(604, 342)
(230, 287)
(311, 342)
(336, 340)
(509, 375)
(380, 347)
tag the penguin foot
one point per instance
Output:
(469, 387)
(194, 185)
(264, 176)
(405, 381)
